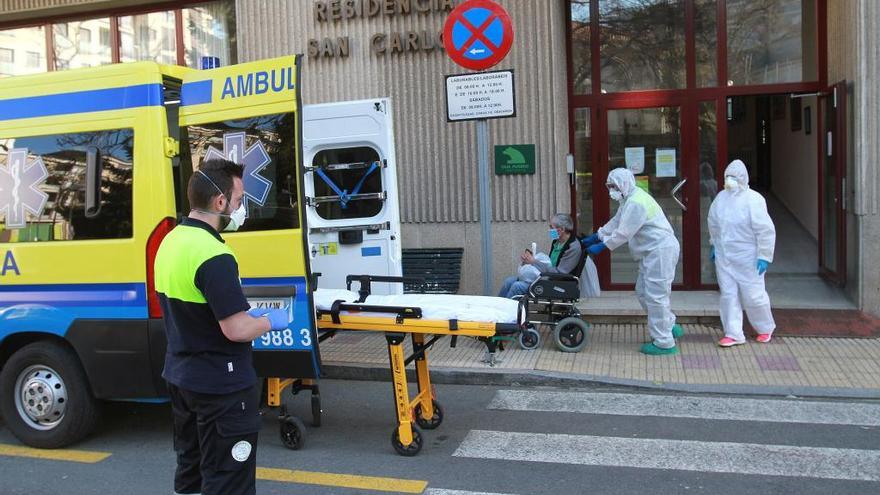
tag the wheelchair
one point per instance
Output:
(552, 300)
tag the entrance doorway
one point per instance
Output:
(775, 136)
(670, 145)
(794, 150)
(678, 149)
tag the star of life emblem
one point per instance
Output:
(253, 159)
(20, 180)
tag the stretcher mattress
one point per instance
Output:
(434, 306)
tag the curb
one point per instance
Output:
(535, 378)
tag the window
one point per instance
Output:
(30, 40)
(77, 49)
(85, 38)
(104, 34)
(58, 212)
(581, 56)
(361, 175)
(266, 146)
(772, 41)
(208, 29)
(642, 44)
(33, 59)
(706, 41)
(7, 56)
(140, 40)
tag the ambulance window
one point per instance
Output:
(266, 146)
(362, 176)
(43, 187)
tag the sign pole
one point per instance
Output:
(485, 203)
(477, 35)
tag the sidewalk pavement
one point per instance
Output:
(789, 365)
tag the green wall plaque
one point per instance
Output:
(514, 159)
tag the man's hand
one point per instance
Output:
(278, 318)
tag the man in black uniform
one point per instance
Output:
(208, 363)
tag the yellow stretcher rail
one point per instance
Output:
(423, 409)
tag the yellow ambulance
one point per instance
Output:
(93, 168)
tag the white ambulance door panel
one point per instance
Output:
(350, 185)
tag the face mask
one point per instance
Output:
(236, 219)
(731, 184)
(616, 195)
(554, 234)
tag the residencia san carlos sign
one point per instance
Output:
(334, 13)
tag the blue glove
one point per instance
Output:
(597, 248)
(589, 241)
(763, 265)
(712, 254)
(278, 318)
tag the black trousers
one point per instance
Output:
(215, 438)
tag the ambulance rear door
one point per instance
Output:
(350, 184)
(250, 114)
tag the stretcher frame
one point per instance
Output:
(396, 322)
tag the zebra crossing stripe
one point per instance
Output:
(682, 455)
(777, 411)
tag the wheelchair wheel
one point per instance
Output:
(529, 338)
(570, 334)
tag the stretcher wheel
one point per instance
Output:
(293, 432)
(316, 410)
(411, 449)
(529, 338)
(436, 419)
(570, 334)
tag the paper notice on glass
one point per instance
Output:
(666, 162)
(635, 159)
(643, 182)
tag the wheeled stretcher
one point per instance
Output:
(427, 320)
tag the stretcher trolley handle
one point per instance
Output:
(365, 289)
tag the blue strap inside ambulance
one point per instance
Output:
(344, 195)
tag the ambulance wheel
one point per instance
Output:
(45, 396)
(293, 433)
(316, 410)
(529, 338)
(435, 421)
(411, 449)
(570, 334)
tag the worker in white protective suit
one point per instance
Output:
(743, 238)
(641, 222)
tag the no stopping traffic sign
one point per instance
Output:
(477, 34)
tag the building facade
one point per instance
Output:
(672, 89)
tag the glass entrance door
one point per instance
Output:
(648, 141)
(832, 180)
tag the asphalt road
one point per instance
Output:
(501, 440)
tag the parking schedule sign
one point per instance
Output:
(484, 95)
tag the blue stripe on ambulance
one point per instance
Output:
(196, 93)
(96, 100)
(53, 308)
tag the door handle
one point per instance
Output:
(675, 191)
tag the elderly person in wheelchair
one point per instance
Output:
(549, 295)
(565, 257)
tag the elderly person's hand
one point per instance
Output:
(527, 257)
